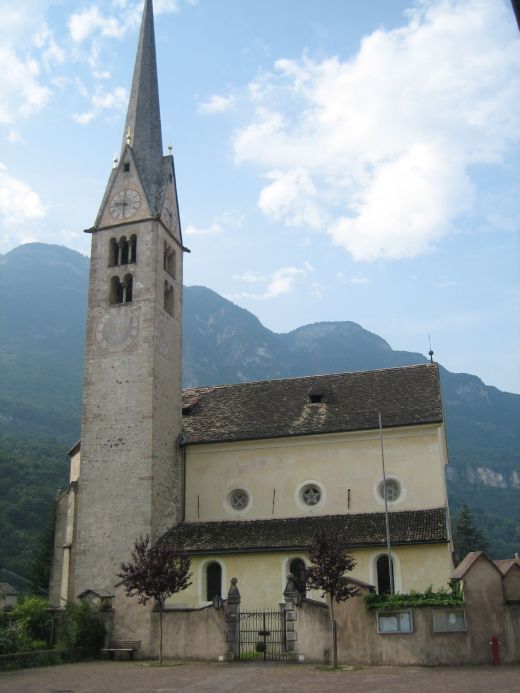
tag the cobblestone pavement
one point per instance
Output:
(195, 677)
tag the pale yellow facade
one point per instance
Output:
(346, 467)
(262, 577)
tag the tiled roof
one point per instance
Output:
(294, 533)
(278, 408)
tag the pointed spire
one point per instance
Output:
(143, 121)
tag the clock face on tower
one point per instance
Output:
(169, 214)
(125, 204)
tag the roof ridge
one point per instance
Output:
(207, 388)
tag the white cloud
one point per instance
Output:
(291, 198)
(378, 150)
(229, 219)
(21, 95)
(115, 100)
(212, 230)
(282, 281)
(217, 104)
(18, 202)
(359, 280)
(90, 21)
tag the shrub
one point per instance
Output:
(452, 596)
(32, 622)
(81, 627)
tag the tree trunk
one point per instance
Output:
(334, 642)
(160, 632)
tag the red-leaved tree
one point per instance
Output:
(155, 571)
(330, 561)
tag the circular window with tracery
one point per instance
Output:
(391, 488)
(238, 499)
(310, 494)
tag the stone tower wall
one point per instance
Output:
(130, 482)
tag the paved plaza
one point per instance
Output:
(197, 677)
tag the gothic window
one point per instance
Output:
(133, 249)
(297, 568)
(383, 574)
(116, 291)
(128, 283)
(213, 580)
(123, 251)
(168, 299)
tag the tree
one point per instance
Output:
(155, 571)
(40, 566)
(466, 535)
(330, 561)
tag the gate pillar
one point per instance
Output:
(292, 598)
(233, 622)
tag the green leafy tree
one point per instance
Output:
(40, 566)
(330, 561)
(155, 571)
(466, 535)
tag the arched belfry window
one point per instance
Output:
(297, 568)
(116, 290)
(128, 288)
(213, 580)
(383, 574)
(133, 249)
(113, 253)
(123, 251)
(168, 298)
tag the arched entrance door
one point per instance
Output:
(383, 574)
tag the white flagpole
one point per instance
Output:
(388, 548)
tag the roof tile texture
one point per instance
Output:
(278, 408)
(363, 529)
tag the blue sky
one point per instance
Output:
(336, 160)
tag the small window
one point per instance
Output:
(392, 488)
(213, 581)
(449, 620)
(238, 499)
(126, 167)
(310, 494)
(394, 622)
(316, 399)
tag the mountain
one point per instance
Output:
(43, 295)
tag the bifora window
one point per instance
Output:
(238, 499)
(392, 488)
(394, 622)
(310, 494)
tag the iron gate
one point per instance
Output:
(262, 636)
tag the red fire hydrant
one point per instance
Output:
(495, 649)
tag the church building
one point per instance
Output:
(240, 476)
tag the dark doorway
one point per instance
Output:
(297, 568)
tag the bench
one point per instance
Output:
(129, 646)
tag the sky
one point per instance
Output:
(335, 160)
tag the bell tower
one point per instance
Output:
(130, 481)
